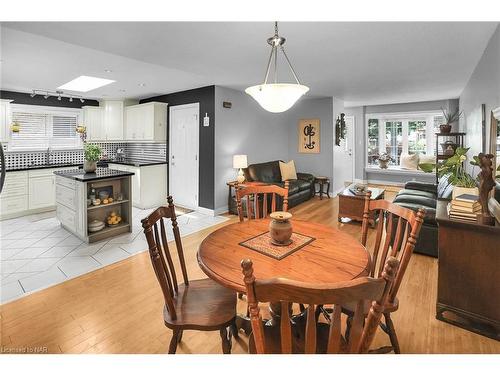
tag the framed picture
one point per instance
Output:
(309, 136)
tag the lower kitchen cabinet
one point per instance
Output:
(149, 184)
(27, 192)
(42, 192)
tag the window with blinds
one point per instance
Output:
(43, 127)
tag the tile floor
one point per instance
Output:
(37, 253)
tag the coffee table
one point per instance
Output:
(351, 206)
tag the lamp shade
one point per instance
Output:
(277, 97)
(239, 161)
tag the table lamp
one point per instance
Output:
(240, 161)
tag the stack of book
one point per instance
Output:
(465, 207)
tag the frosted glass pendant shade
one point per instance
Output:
(277, 97)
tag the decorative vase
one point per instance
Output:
(445, 128)
(280, 228)
(383, 164)
(89, 166)
(449, 147)
(458, 190)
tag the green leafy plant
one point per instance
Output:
(454, 167)
(451, 117)
(92, 152)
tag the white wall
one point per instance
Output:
(360, 112)
(483, 87)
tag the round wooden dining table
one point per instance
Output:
(333, 256)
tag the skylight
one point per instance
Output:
(85, 83)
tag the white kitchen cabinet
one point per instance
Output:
(149, 184)
(113, 120)
(104, 123)
(14, 197)
(5, 119)
(28, 192)
(146, 122)
(93, 120)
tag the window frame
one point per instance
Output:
(405, 118)
(50, 112)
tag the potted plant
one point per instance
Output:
(383, 160)
(463, 182)
(449, 118)
(92, 154)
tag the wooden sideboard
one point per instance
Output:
(469, 274)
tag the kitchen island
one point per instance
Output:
(94, 206)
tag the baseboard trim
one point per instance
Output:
(206, 211)
(389, 183)
(27, 212)
(221, 210)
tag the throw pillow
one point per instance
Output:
(424, 159)
(288, 171)
(409, 161)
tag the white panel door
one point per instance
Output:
(184, 146)
(343, 158)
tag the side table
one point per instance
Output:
(322, 181)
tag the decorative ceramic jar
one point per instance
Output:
(280, 228)
(89, 166)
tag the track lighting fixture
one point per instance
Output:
(59, 93)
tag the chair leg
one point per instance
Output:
(234, 329)
(348, 327)
(225, 334)
(174, 341)
(392, 333)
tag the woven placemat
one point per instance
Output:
(262, 244)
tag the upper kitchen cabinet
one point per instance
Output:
(104, 123)
(113, 119)
(93, 119)
(4, 120)
(146, 122)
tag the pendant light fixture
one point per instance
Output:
(277, 97)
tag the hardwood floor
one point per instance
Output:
(118, 309)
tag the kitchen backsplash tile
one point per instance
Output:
(142, 151)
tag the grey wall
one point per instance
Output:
(483, 87)
(317, 164)
(244, 129)
(263, 136)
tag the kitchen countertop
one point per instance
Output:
(131, 162)
(100, 174)
(137, 162)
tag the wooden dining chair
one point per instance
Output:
(286, 292)
(257, 194)
(397, 229)
(201, 305)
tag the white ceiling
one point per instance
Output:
(361, 63)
